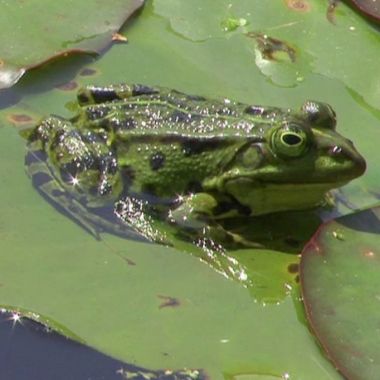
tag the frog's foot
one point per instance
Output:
(137, 213)
(94, 220)
(55, 194)
(217, 257)
(97, 95)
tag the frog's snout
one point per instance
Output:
(359, 165)
(352, 163)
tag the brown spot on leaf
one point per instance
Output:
(293, 268)
(1, 63)
(19, 118)
(297, 279)
(87, 72)
(168, 301)
(69, 86)
(298, 5)
(269, 46)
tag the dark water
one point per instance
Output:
(29, 351)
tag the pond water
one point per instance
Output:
(28, 351)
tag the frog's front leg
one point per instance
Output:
(192, 220)
(97, 94)
(195, 216)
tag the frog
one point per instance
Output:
(151, 153)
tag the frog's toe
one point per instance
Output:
(47, 128)
(135, 213)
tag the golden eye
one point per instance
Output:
(289, 140)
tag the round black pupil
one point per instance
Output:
(291, 139)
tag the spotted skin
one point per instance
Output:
(189, 160)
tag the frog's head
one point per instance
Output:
(293, 164)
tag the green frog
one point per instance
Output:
(151, 153)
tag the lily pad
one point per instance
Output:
(370, 8)
(145, 304)
(340, 274)
(37, 31)
(319, 46)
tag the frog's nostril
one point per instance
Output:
(350, 160)
(335, 150)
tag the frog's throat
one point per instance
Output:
(265, 198)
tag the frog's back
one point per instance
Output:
(169, 112)
(163, 136)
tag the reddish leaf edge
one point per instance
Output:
(356, 6)
(312, 243)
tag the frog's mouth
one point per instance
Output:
(265, 198)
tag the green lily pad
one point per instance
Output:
(146, 304)
(37, 31)
(340, 274)
(319, 46)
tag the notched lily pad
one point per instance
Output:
(271, 47)
(58, 29)
(340, 276)
(278, 60)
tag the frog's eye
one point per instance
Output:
(320, 114)
(290, 141)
